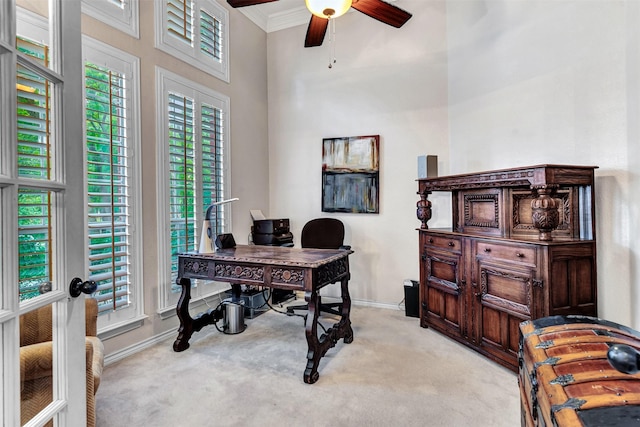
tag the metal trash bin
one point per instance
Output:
(233, 317)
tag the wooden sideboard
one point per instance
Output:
(522, 246)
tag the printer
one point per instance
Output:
(271, 232)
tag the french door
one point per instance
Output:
(42, 191)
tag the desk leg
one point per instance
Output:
(189, 325)
(345, 321)
(318, 346)
(186, 322)
(311, 330)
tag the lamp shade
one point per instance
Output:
(328, 8)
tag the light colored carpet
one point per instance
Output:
(393, 374)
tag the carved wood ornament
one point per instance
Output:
(544, 210)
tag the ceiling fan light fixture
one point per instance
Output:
(328, 8)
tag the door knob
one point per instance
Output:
(77, 287)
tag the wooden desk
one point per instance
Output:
(306, 270)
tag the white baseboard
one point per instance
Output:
(142, 345)
(363, 303)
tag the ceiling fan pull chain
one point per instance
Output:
(332, 42)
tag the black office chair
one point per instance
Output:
(322, 233)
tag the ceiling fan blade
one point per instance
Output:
(382, 11)
(243, 3)
(316, 31)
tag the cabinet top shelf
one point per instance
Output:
(520, 239)
(526, 176)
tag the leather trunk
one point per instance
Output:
(565, 378)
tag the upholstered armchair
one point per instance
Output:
(36, 359)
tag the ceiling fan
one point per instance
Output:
(324, 10)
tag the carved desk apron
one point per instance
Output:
(301, 269)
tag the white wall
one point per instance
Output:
(388, 82)
(534, 82)
(483, 84)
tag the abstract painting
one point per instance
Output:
(351, 174)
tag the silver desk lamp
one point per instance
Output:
(208, 235)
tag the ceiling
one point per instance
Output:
(281, 14)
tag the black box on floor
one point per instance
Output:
(254, 302)
(411, 298)
(279, 296)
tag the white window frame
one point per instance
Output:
(167, 82)
(191, 54)
(125, 17)
(124, 319)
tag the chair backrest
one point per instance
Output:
(37, 326)
(322, 233)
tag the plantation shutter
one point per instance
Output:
(210, 36)
(34, 242)
(195, 31)
(196, 171)
(195, 27)
(213, 163)
(182, 184)
(33, 115)
(180, 19)
(108, 180)
(34, 161)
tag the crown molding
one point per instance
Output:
(277, 21)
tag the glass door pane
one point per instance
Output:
(36, 362)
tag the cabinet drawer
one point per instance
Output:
(443, 242)
(522, 254)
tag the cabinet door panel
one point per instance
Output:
(499, 334)
(503, 300)
(443, 305)
(505, 289)
(572, 281)
(443, 272)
